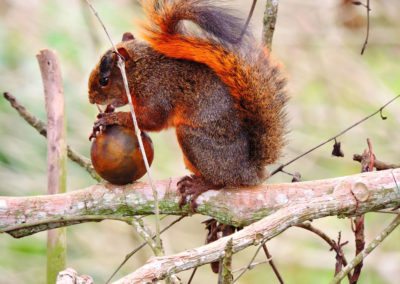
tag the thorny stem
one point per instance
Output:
(121, 66)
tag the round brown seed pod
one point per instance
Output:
(116, 155)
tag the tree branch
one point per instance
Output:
(70, 276)
(269, 21)
(56, 154)
(379, 165)
(22, 216)
(344, 196)
(284, 205)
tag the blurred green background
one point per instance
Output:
(330, 84)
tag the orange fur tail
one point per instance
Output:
(255, 82)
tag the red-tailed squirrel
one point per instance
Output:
(224, 95)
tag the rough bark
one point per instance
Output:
(351, 195)
(22, 216)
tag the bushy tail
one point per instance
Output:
(255, 82)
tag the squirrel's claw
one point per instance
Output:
(192, 186)
(103, 120)
(93, 134)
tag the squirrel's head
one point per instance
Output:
(106, 86)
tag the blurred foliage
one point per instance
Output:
(331, 86)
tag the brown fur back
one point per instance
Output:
(254, 80)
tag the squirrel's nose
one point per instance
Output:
(92, 95)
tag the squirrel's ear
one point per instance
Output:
(127, 36)
(124, 53)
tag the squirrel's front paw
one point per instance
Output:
(111, 118)
(103, 120)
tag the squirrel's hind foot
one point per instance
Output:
(216, 231)
(190, 188)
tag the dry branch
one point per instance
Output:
(379, 165)
(22, 216)
(284, 205)
(294, 203)
(56, 154)
(70, 276)
(269, 21)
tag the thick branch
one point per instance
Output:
(21, 216)
(343, 196)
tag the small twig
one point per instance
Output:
(121, 66)
(250, 262)
(272, 264)
(339, 257)
(102, 25)
(379, 165)
(281, 167)
(225, 275)
(254, 264)
(87, 17)
(269, 21)
(336, 246)
(192, 275)
(40, 126)
(246, 25)
(368, 249)
(145, 233)
(129, 255)
(368, 23)
(388, 211)
(296, 175)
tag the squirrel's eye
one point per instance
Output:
(104, 81)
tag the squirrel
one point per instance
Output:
(224, 95)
